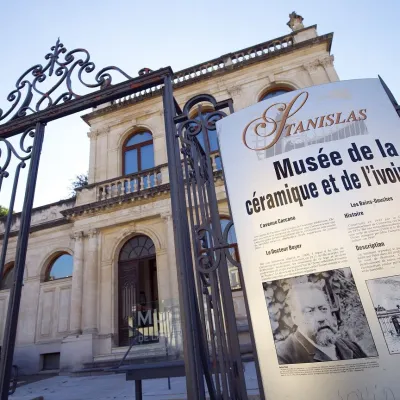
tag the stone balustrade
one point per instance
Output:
(216, 161)
(132, 183)
(238, 57)
(226, 61)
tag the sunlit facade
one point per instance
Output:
(96, 259)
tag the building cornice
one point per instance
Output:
(223, 65)
(99, 206)
(40, 227)
(41, 208)
(116, 201)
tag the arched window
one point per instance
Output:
(276, 91)
(138, 153)
(137, 247)
(61, 267)
(8, 277)
(234, 276)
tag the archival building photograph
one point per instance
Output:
(318, 317)
(386, 299)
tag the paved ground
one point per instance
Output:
(112, 387)
(26, 380)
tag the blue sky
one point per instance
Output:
(135, 34)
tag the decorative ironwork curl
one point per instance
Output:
(228, 254)
(29, 82)
(212, 118)
(193, 127)
(208, 258)
(23, 154)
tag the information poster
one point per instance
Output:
(314, 183)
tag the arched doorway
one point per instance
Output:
(137, 283)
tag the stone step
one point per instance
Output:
(103, 367)
(137, 352)
(154, 352)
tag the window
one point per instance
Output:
(8, 277)
(138, 246)
(61, 267)
(274, 92)
(50, 361)
(233, 271)
(138, 153)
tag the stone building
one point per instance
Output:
(92, 258)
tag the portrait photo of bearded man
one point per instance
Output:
(316, 335)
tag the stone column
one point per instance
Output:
(173, 274)
(174, 324)
(77, 285)
(90, 292)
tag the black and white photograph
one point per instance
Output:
(318, 317)
(385, 295)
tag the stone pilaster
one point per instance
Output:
(92, 135)
(77, 285)
(89, 323)
(173, 274)
(327, 64)
(312, 69)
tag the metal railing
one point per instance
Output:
(156, 322)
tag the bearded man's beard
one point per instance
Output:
(326, 336)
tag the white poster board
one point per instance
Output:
(313, 178)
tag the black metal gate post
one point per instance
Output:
(22, 245)
(190, 329)
(208, 297)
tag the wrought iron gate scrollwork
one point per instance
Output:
(6, 155)
(63, 70)
(21, 155)
(35, 101)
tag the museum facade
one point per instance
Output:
(96, 258)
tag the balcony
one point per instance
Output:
(133, 183)
(127, 188)
(138, 186)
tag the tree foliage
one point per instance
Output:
(3, 211)
(78, 182)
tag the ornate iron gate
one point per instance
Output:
(207, 295)
(211, 349)
(31, 108)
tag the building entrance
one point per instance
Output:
(137, 292)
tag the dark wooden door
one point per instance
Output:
(128, 289)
